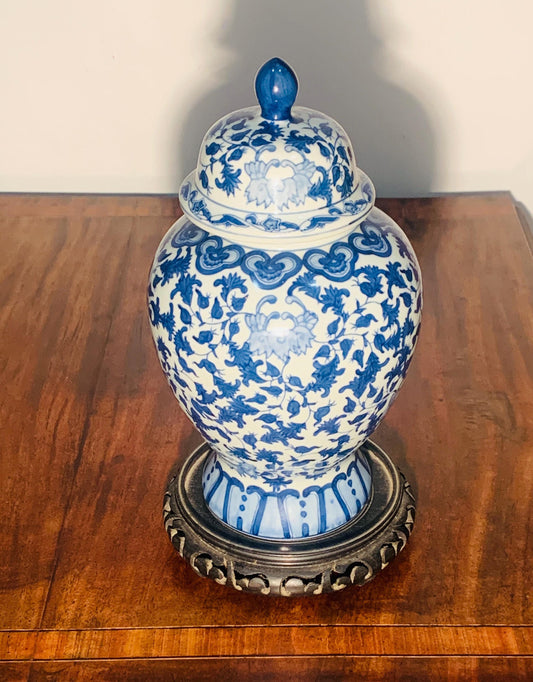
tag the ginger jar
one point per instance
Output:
(285, 309)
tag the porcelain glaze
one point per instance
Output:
(285, 334)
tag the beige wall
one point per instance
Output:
(114, 95)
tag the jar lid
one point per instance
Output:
(276, 168)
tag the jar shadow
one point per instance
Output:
(338, 53)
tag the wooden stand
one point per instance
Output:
(352, 554)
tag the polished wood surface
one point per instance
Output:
(90, 432)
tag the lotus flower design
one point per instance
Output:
(280, 334)
(282, 192)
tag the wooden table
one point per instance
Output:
(90, 587)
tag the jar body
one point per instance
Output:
(286, 361)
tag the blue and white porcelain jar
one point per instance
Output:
(285, 309)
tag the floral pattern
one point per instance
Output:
(246, 133)
(286, 361)
(281, 340)
(282, 193)
(295, 174)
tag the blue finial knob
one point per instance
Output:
(276, 86)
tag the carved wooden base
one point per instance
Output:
(352, 554)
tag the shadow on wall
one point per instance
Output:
(336, 52)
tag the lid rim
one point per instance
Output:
(362, 198)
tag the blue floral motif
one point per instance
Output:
(281, 340)
(284, 393)
(231, 137)
(265, 191)
(298, 174)
(272, 224)
(258, 188)
(229, 180)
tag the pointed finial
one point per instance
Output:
(276, 86)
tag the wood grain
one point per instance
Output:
(275, 640)
(88, 205)
(300, 669)
(90, 432)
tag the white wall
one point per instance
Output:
(115, 95)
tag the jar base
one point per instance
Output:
(351, 554)
(306, 507)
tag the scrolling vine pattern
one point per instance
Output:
(236, 322)
(244, 131)
(290, 175)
